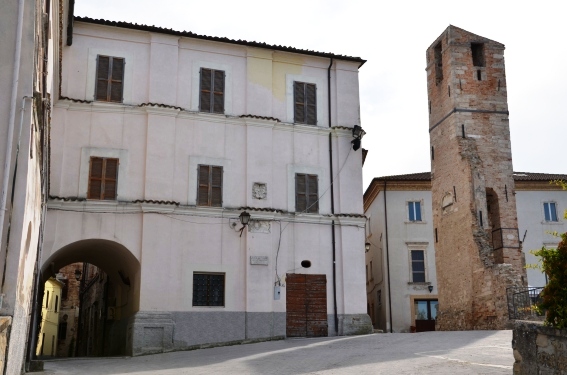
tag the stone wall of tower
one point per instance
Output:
(477, 247)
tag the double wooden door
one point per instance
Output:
(306, 305)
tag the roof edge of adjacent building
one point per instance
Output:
(189, 34)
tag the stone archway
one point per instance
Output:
(118, 282)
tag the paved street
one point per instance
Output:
(473, 352)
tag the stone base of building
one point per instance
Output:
(539, 349)
(159, 332)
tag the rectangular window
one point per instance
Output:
(211, 90)
(103, 178)
(550, 211)
(209, 192)
(305, 103)
(414, 209)
(477, 51)
(306, 193)
(62, 335)
(418, 266)
(56, 303)
(109, 79)
(208, 289)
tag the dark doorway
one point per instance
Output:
(306, 305)
(425, 315)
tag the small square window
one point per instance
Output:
(414, 209)
(208, 289)
(418, 266)
(550, 211)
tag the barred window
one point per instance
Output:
(109, 79)
(208, 289)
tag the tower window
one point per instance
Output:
(437, 50)
(477, 50)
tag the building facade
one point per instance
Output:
(164, 141)
(50, 311)
(29, 36)
(402, 293)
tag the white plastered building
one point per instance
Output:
(162, 139)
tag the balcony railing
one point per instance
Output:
(522, 301)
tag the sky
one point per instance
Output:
(393, 36)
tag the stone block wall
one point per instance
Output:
(539, 349)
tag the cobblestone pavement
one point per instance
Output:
(470, 352)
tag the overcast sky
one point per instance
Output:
(393, 37)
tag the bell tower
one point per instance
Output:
(477, 246)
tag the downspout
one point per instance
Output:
(388, 259)
(332, 203)
(10, 135)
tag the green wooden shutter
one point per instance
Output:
(205, 90)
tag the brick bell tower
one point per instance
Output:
(477, 246)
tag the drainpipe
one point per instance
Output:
(332, 203)
(11, 121)
(388, 259)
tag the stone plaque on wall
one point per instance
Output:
(259, 260)
(259, 190)
(259, 226)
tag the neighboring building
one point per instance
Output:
(162, 140)
(402, 252)
(50, 308)
(30, 39)
(69, 311)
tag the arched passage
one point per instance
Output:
(107, 297)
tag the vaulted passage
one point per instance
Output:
(306, 305)
(89, 292)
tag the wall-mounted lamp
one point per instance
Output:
(244, 220)
(367, 246)
(357, 133)
(430, 287)
(77, 274)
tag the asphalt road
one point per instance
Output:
(470, 352)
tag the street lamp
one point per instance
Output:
(244, 220)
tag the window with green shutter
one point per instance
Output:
(103, 178)
(305, 103)
(209, 192)
(306, 193)
(211, 91)
(109, 79)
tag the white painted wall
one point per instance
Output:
(160, 149)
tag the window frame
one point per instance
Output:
(210, 186)
(413, 272)
(306, 103)
(209, 274)
(111, 81)
(548, 214)
(411, 210)
(311, 206)
(103, 179)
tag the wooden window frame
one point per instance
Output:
(209, 302)
(213, 92)
(209, 200)
(110, 80)
(302, 105)
(311, 198)
(103, 179)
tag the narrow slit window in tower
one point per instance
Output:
(438, 63)
(477, 50)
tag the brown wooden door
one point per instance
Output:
(306, 305)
